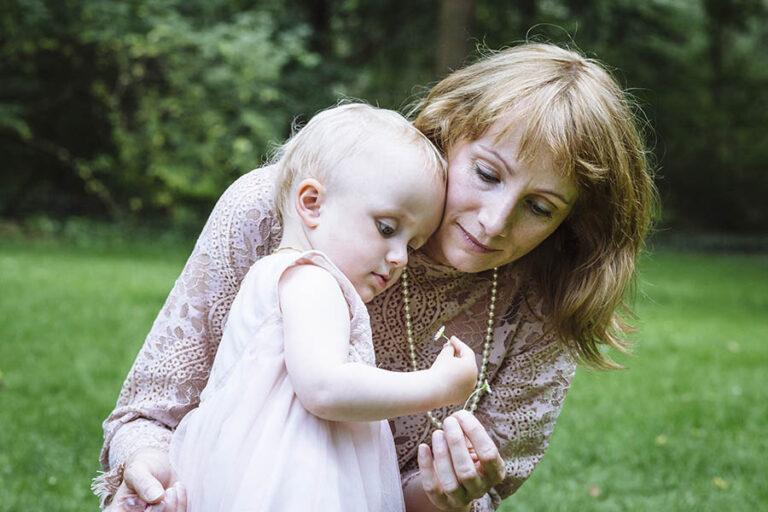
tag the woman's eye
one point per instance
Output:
(539, 210)
(385, 229)
(485, 174)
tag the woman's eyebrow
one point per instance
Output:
(556, 194)
(498, 157)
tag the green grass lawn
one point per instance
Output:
(683, 428)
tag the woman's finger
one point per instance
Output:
(486, 451)
(463, 464)
(445, 471)
(427, 471)
(139, 478)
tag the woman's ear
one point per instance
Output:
(310, 195)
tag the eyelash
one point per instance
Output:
(538, 210)
(488, 177)
(485, 175)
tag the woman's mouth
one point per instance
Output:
(473, 243)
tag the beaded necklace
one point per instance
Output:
(482, 384)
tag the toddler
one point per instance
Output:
(294, 413)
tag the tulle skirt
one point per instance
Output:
(251, 446)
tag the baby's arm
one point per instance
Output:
(316, 332)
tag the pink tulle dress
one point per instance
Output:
(251, 445)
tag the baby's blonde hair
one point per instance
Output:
(341, 132)
(573, 109)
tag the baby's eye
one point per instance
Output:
(385, 229)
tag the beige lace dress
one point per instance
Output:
(529, 369)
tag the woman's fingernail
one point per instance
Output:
(155, 493)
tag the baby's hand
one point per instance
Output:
(456, 371)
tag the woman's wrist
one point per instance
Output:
(146, 453)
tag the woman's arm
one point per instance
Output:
(173, 365)
(316, 332)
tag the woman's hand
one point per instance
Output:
(462, 465)
(149, 483)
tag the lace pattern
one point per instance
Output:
(529, 370)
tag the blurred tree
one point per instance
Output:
(455, 26)
(151, 108)
(143, 106)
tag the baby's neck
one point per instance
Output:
(294, 238)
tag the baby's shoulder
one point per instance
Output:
(308, 278)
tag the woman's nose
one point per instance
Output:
(495, 217)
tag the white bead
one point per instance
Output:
(486, 346)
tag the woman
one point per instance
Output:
(549, 199)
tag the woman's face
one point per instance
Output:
(498, 208)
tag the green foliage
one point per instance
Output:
(150, 108)
(188, 98)
(207, 103)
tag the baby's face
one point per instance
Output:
(375, 209)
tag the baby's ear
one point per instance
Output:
(310, 195)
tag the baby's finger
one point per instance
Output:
(130, 504)
(175, 500)
(125, 500)
(446, 352)
(181, 493)
(463, 350)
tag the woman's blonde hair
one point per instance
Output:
(575, 110)
(317, 149)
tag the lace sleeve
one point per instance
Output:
(172, 366)
(528, 392)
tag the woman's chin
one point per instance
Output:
(448, 247)
(466, 261)
(471, 265)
